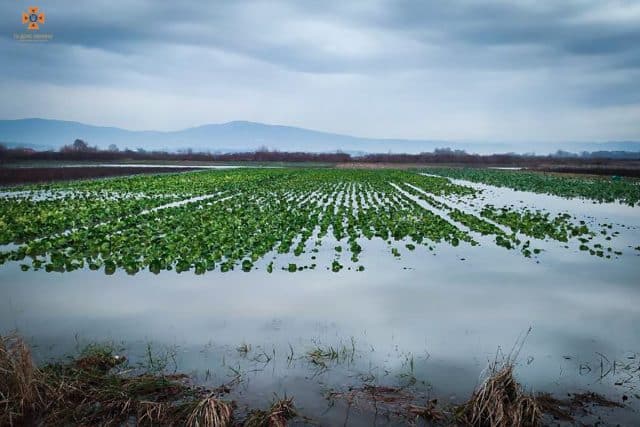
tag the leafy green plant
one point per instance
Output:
(199, 222)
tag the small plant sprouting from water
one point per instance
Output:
(321, 356)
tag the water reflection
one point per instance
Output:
(435, 324)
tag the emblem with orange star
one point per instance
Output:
(33, 18)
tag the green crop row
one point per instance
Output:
(240, 217)
(598, 189)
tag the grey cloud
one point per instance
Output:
(477, 60)
(275, 31)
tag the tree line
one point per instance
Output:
(80, 150)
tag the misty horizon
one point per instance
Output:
(286, 125)
(238, 136)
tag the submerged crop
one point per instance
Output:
(232, 219)
(598, 189)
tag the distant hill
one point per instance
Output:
(246, 136)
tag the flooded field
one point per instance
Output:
(20, 175)
(319, 284)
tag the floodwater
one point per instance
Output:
(430, 321)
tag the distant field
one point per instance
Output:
(223, 220)
(602, 189)
(14, 176)
(164, 163)
(626, 171)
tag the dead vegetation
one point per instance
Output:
(96, 389)
(430, 412)
(574, 405)
(374, 395)
(500, 402)
(92, 390)
(21, 392)
(390, 400)
(281, 411)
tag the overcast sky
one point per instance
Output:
(538, 70)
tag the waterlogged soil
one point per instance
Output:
(221, 221)
(428, 320)
(600, 189)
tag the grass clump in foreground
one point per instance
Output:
(500, 401)
(278, 415)
(92, 390)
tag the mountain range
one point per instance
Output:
(248, 136)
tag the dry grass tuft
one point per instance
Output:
(374, 395)
(153, 413)
(429, 413)
(90, 391)
(278, 415)
(98, 361)
(500, 402)
(556, 408)
(210, 412)
(578, 403)
(21, 387)
(581, 400)
(391, 401)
